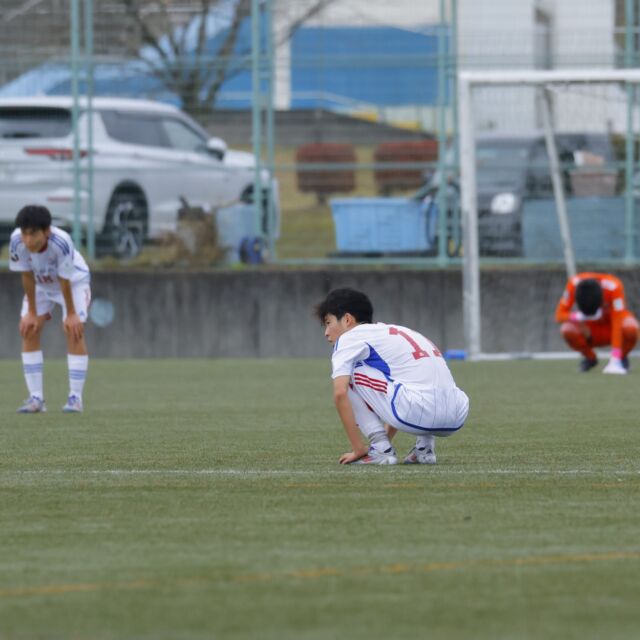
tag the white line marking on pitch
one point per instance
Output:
(256, 473)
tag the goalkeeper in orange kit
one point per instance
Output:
(600, 319)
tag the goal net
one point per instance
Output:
(547, 175)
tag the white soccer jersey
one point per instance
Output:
(400, 354)
(58, 260)
(402, 378)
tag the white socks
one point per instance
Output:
(78, 366)
(369, 423)
(32, 365)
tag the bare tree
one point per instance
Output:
(176, 43)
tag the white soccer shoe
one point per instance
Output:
(33, 405)
(74, 405)
(615, 367)
(379, 457)
(420, 456)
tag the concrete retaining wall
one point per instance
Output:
(268, 313)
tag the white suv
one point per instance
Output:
(148, 157)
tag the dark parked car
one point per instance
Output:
(511, 169)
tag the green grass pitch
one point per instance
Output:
(202, 499)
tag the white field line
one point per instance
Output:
(285, 473)
(545, 355)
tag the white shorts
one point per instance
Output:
(414, 410)
(46, 299)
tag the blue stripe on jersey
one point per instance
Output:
(15, 243)
(414, 426)
(374, 360)
(63, 245)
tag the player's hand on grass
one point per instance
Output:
(352, 456)
(73, 326)
(28, 324)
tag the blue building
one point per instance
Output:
(334, 67)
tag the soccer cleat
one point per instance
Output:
(74, 405)
(33, 405)
(615, 367)
(378, 457)
(625, 363)
(586, 364)
(420, 456)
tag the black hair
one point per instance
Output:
(33, 216)
(589, 296)
(341, 301)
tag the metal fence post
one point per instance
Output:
(256, 109)
(270, 130)
(629, 208)
(441, 197)
(88, 44)
(75, 72)
(471, 263)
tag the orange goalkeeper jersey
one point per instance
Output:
(613, 307)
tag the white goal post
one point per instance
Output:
(537, 79)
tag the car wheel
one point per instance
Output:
(125, 228)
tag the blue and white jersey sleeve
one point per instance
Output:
(18, 253)
(349, 349)
(62, 246)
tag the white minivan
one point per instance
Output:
(148, 159)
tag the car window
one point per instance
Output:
(135, 128)
(183, 137)
(502, 153)
(34, 122)
(502, 163)
(596, 145)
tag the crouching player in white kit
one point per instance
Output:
(387, 375)
(53, 272)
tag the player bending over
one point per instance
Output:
(386, 374)
(53, 272)
(601, 319)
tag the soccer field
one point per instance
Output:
(203, 499)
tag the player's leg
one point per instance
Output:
(372, 427)
(424, 451)
(429, 414)
(77, 354)
(578, 337)
(630, 329)
(32, 357)
(602, 337)
(391, 405)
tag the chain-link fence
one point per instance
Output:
(355, 105)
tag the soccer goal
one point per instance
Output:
(546, 172)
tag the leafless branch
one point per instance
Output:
(311, 12)
(224, 54)
(189, 72)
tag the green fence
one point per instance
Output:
(342, 117)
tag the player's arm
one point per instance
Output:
(29, 322)
(618, 307)
(563, 310)
(564, 313)
(345, 411)
(72, 323)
